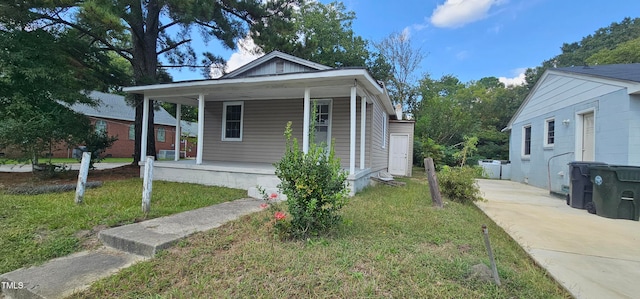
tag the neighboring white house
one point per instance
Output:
(584, 113)
(242, 117)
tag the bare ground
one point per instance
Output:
(15, 179)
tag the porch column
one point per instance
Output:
(145, 128)
(200, 128)
(305, 121)
(176, 146)
(363, 126)
(352, 133)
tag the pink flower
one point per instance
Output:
(273, 196)
(264, 206)
(280, 215)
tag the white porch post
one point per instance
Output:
(305, 120)
(145, 128)
(352, 133)
(200, 128)
(363, 125)
(176, 146)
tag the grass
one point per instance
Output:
(392, 243)
(36, 228)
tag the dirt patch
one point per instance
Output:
(15, 179)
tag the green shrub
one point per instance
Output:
(459, 183)
(315, 186)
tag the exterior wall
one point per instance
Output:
(564, 98)
(124, 147)
(404, 127)
(263, 126)
(379, 142)
(269, 68)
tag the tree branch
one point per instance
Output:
(122, 52)
(173, 46)
(162, 28)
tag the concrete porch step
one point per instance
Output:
(63, 276)
(148, 237)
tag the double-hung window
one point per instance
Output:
(549, 132)
(526, 140)
(232, 113)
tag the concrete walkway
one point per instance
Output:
(591, 256)
(125, 245)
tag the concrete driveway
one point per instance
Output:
(591, 256)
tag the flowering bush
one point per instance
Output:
(315, 186)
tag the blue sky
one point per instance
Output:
(472, 39)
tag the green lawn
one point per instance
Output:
(392, 243)
(36, 228)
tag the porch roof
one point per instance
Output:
(323, 83)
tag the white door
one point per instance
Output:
(398, 154)
(588, 137)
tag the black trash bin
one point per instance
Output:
(616, 191)
(581, 188)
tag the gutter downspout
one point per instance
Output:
(549, 169)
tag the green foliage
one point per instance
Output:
(97, 142)
(468, 149)
(315, 186)
(459, 183)
(627, 52)
(323, 33)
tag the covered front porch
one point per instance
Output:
(241, 175)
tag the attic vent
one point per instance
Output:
(279, 67)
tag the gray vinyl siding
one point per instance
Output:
(263, 127)
(379, 154)
(269, 68)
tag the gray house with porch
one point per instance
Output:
(584, 113)
(242, 117)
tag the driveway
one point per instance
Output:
(591, 256)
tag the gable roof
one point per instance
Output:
(626, 72)
(623, 75)
(114, 106)
(274, 55)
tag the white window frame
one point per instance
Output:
(132, 136)
(329, 125)
(384, 129)
(100, 129)
(164, 135)
(546, 132)
(524, 136)
(224, 119)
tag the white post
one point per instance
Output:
(352, 133)
(145, 128)
(147, 185)
(305, 120)
(363, 131)
(200, 128)
(176, 146)
(82, 177)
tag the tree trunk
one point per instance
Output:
(144, 39)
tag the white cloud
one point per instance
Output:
(519, 79)
(462, 55)
(457, 13)
(247, 52)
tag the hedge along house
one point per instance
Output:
(589, 113)
(242, 117)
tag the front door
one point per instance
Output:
(588, 137)
(323, 122)
(398, 154)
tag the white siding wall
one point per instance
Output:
(269, 68)
(379, 154)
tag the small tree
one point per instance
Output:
(97, 143)
(315, 186)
